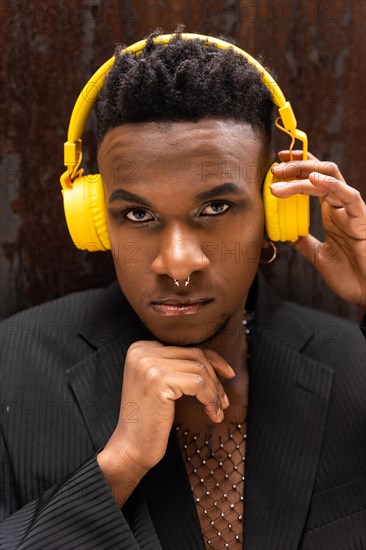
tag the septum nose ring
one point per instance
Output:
(186, 282)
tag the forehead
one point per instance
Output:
(180, 147)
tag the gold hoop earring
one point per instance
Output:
(274, 255)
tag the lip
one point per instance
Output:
(178, 300)
(180, 306)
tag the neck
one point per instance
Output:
(236, 355)
(232, 345)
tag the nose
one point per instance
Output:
(180, 253)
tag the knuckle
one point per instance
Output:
(210, 408)
(197, 353)
(221, 391)
(201, 367)
(143, 362)
(200, 381)
(134, 345)
(140, 347)
(332, 167)
(297, 168)
(356, 194)
(134, 352)
(171, 393)
(152, 374)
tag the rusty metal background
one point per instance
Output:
(49, 48)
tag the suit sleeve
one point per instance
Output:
(77, 513)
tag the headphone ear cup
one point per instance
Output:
(86, 214)
(285, 219)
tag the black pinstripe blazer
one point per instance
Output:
(61, 375)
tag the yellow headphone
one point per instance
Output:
(286, 219)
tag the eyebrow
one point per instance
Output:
(224, 188)
(122, 195)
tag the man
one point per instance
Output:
(232, 428)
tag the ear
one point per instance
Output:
(266, 244)
(266, 240)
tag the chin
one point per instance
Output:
(178, 337)
(201, 334)
(182, 342)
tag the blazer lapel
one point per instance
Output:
(288, 404)
(170, 502)
(96, 383)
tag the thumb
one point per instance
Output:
(309, 247)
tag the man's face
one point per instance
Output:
(184, 200)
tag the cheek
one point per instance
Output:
(132, 272)
(132, 259)
(242, 243)
(128, 252)
(126, 256)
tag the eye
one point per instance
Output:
(139, 215)
(215, 208)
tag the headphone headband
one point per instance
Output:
(90, 92)
(83, 196)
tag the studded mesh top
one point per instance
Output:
(215, 463)
(215, 466)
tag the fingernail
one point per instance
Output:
(225, 400)
(278, 185)
(232, 370)
(220, 412)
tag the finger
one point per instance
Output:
(308, 247)
(200, 354)
(140, 344)
(183, 383)
(297, 154)
(206, 369)
(216, 365)
(285, 189)
(348, 197)
(191, 360)
(219, 364)
(301, 169)
(203, 369)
